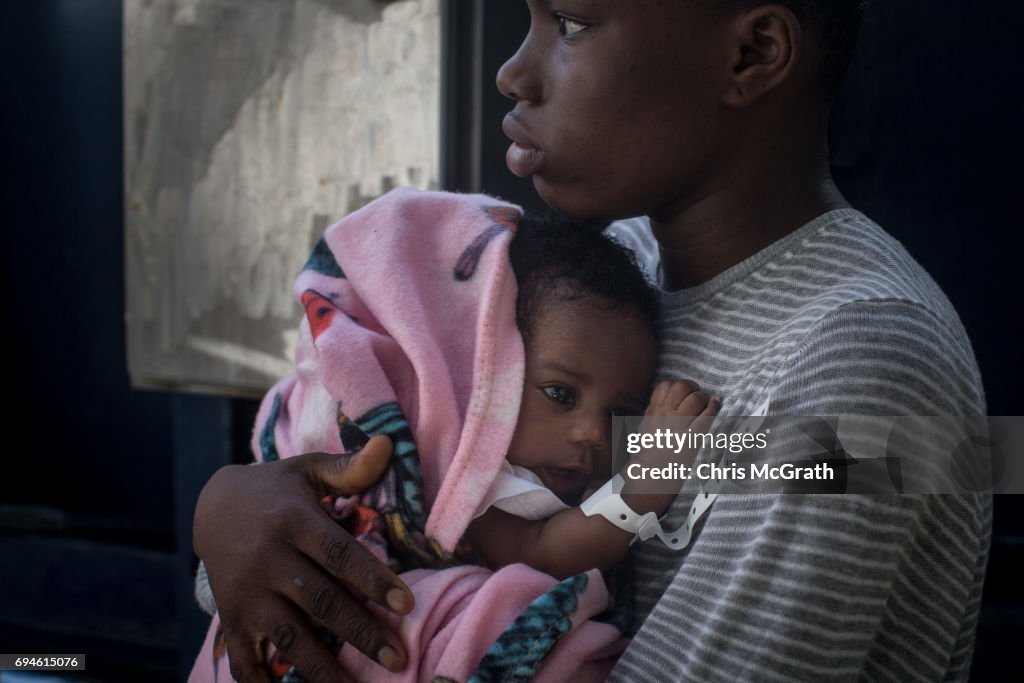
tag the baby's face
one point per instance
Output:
(583, 363)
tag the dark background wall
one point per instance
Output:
(95, 501)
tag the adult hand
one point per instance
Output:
(278, 565)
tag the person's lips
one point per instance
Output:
(523, 157)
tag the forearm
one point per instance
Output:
(648, 496)
(562, 545)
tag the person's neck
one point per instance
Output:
(761, 202)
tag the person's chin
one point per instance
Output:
(572, 199)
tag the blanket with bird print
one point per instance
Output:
(410, 331)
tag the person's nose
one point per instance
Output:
(517, 78)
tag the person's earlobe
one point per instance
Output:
(768, 42)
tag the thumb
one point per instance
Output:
(351, 473)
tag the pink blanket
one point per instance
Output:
(410, 331)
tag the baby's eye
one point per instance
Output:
(563, 396)
(568, 27)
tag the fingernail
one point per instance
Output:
(389, 658)
(399, 600)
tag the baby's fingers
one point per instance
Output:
(693, 405)
(713, 406)
(702, 423)
(669, 395)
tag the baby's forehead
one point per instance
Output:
(553, 356)
(575, 346)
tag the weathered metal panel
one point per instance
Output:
(250, 125)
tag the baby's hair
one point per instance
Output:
(558, 259)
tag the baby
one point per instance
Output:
(495, 364)
(587, 317)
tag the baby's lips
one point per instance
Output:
(568, 484)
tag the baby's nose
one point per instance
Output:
(593, 432)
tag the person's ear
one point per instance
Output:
(766, 50)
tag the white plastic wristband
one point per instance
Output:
(608, 504)
(611, 506)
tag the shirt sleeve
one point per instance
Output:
(635, 234)
(519, 492)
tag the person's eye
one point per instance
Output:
(560, 395)
(569, 27)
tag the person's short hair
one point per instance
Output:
(555, 259)
(835, 23)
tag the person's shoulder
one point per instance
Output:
(846, 250)
(873, 330)
(869, 282)
(892, 356)
(842, 256)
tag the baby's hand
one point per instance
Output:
(677, 406)
(682, 398)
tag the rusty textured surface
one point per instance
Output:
(250, 125)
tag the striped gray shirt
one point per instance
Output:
(835, 318)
